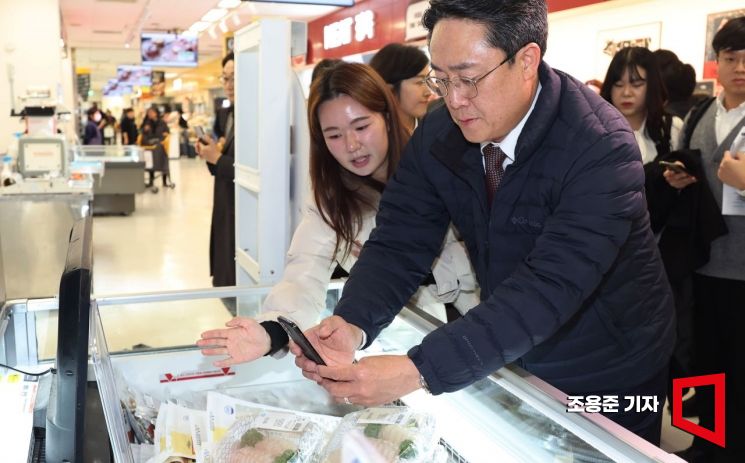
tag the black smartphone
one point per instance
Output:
(297, 336)
(200, 134)
(677, 168)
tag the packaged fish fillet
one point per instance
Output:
(270, 437)
(399, 434)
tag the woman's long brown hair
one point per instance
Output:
(341, 197)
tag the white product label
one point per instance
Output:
(281, 422)
(383, 415)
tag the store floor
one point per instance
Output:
(163, 246)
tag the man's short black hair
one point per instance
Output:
(229, 57)
(731, 36)
(510, 24)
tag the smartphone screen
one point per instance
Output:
(299, 338)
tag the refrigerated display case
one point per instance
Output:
(509, 416)
(122, 176)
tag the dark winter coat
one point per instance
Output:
(222, 231)
(573, 288)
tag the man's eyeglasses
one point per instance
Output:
(465, 86)
(227, 79)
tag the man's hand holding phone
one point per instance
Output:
(676, 175)
(335, 340)
(206, 147)
(201, 135)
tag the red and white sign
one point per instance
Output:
(191, 375)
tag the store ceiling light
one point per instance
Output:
(229, 3)
(214, 14)
(236, 19)
(223, 27)
(199, 26)
(212, 33)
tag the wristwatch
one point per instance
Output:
(423, 384)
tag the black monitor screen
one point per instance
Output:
(65, 415)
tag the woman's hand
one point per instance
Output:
(243, 341)
(678, 180)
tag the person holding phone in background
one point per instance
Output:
(719, 285)
(357, 137)
(634, 85)
(220, 157)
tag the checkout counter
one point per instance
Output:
(508, 416)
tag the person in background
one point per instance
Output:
(357, 137)
(109, 128)
(594, 85)
(154, 132)
(404, 68)
(220, 157)
(92, 134)
(185, 149)
(680, 82)
(633, 85)
(128, 127)
(322, 66)
(719, 286)
(544, 181)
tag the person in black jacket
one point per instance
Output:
(544, 181)
(129, 127)
(154, 131)
(220, 162)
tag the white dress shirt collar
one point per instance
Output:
(509, 142)
(727, 119)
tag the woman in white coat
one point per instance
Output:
(357, 137)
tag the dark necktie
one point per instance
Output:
(493, 159)
(229, 127)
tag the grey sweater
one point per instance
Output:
(728, 251)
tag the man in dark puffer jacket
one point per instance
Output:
(573, 288)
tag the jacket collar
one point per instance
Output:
(463, 158)
(543, 116)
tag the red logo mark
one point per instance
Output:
(716, 436)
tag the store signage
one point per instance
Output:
(414, 28)
(361, 27)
